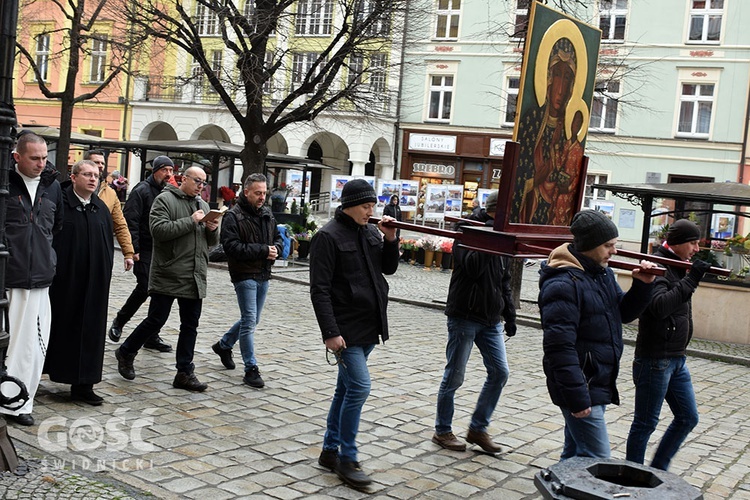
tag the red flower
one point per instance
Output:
(226, 193)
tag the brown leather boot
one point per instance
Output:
(448, 441)
(483, 440)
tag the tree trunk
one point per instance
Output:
(516, 279)
(253, 157)
(63, 143)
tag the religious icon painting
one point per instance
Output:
(554, 104)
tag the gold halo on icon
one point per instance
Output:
(564, 28)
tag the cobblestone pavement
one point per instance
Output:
(152, 441)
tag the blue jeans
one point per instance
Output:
(352, 389)
(586, 437)
(251, 295)
(158, 314)
(657, 379)
(462, 334)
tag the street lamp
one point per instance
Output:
(8, 24)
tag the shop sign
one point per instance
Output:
(432, 142)
(496, 174)
(434, 168)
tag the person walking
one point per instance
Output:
(34, 215)
(479, 297)
(660, 369)
(136, 212)
(252, 242)
(110, 198)
(179, 271)
(392, 209)
(582, 311)
(348, 258)
(80, 291)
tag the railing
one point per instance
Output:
(319, 202)
(174, 89)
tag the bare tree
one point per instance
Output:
(84, 31)
(276, 77)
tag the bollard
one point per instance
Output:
(594, 479)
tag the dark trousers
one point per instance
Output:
(158, 313)
(137, 297)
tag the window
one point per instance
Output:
(356, 68)
(696, 103)
(268, 83)
(249, 14)
(604, 107)
(380, 20)
(42, 55)
(216, 57)
(303, 68)
(206, 21)
(514, 83)
(314, 17)
(592, 194)
(612, 16)
(522, 19)
(196, 73)
(705, 21)
(441, 93)
(377, 72)
(448, 15)
(98, 59)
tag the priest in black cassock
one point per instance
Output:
(80, 291)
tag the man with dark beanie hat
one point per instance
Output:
(348, 258)
(582, 310)
(660, 371)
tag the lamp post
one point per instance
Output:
(8, 24)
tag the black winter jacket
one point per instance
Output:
(582, 309)
(246, 234)
(347, 288)
(29, 228)
(666, 326)
(136, 212)
(480, 288)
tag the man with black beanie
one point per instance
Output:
(582, 310)
(136, 212)
(660, 371)
(349, 294)
(479, 298)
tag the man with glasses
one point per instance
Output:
(80, 291)
(109, 197)
(252, 243)
(179, 272)
(137, 210)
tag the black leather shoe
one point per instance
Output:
(85, 394)
(115, 332)
(225, 355)
(157, 344)
(328, 459)
(253, 379)
(352, 474)
(24, 419)
(189, 382)
(125, 364)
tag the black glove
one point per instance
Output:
(699, 269)
(510, 328)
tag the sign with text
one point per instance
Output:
(433, 142)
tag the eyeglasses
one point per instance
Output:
(198, 182)
(336, 357)
(89, 175)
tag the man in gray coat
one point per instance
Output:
(179, 269)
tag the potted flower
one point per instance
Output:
(227, 194)
(447, 248)
(406, 247)
(418, 252)
(430, 244)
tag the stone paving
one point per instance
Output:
(152, 441)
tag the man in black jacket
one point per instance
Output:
(252, 242)
(660, 371)
(348, 258)
(136, 212)
(479, 296)
(582, 310)
(34, 215)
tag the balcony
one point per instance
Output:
(174, 89)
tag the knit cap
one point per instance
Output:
(356, 192)
(161, 162)
(590, 229)
(683, 231)
(490, 204)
